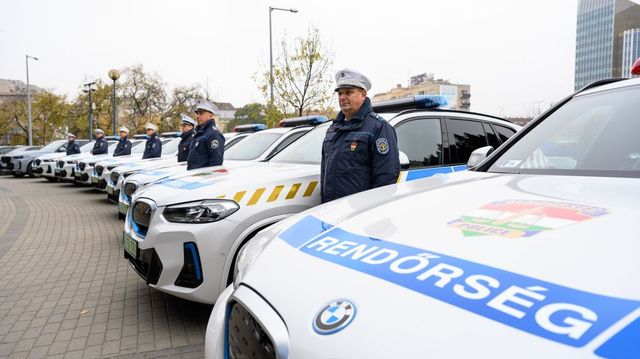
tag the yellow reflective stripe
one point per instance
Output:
(256, 196)
(276, 192)
(293, 191)
(402, 177)
(239, 195)
(310, 189)
(220, 197)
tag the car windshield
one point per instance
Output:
(252, 146)
(53, 146)
(169, 145)
(137, 147)
(591, 135)
(87, 147)
(307, 149)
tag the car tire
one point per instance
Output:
(18, 175)
(51, 179)
(30, 170)
(121, 216)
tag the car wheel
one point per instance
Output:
(18, 175)
(30, 170)
(51, 179)
(121, 216)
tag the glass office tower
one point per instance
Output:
(630, 50)
(599, 38)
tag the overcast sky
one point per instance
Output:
(516, 55)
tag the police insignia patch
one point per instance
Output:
(214, 144)
(382, 145)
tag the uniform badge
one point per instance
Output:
(153, 145)
(382, 145)
(354, 145)
(214, 144)
(197, 143)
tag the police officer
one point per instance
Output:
(207, 146)
(101, 145)
(153, 147)
(360, 149)
(72, 146)
(124, 145)
(186, 125)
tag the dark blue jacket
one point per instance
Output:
(72, 148)
(207, 147)
(123, 148)
(100, 147)
(183, 146)
(358, 155)
(153, 147)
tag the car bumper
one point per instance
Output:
(214, 338)
(113, 194)
(205, 243)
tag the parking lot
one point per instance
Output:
(67, 292)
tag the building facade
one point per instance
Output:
(600, 29)
(630, 50)
(458, 95)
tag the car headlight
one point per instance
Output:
(17, 157)
(206, 211)
(247, 256)
(109, 168)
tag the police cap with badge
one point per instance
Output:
(187, 120)
(204, 105)
(346, 78)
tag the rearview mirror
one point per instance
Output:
(479, 155)
(404, 161)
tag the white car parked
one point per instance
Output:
(182, 235)
(534, 254)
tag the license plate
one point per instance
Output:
(57, 170)
(123, 208)
(130, 245)
(109, 190)
(94, 179)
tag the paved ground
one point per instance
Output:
(66, 290)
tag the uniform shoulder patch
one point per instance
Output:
(377, 117)
(214, 144)
(382, 145)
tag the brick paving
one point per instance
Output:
(67, 292)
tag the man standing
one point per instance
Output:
(186, 125)
(72, 146)
(153, 147)
(124, 145)
(101, 145)
(360, 149)
(207, 146)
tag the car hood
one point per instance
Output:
(220, 181)
(51, 156)
(146, 164)
(504, 262)
(120, 160)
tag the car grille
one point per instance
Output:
(60, 164)
(6, 159)
(38, 162)
(141, 217)
(130, 189)
(148, 265)
(114, 177)
(82, 165)
(99, 170)
(246, 338)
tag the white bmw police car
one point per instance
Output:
(181, 235)
(532, 255)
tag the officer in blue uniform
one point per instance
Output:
(101, 145)
(72, 146)
(360, 149)
(207, 145)
(153, 147)
(123, 148)
(186, 125)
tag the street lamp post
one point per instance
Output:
(114, 75)
(89, 88)
(27, 57)
(271, 9)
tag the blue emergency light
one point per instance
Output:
(414, 102)
(252, 127)
(312, 120)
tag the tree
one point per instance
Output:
(143, 97)
(49, 114)
(13, 115)
(182, 99)
(302, 80)
(250, 113)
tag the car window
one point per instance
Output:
(169, 146)
(464, 136)
(287, 141)
(51, 147)
(421, 141)
(491, 135)
(308, 149)
(138, 147)
(504, 132)
(593, 134)
(252, 147)
(232, 141)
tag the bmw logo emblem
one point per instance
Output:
(334, 317)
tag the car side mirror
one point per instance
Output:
(479, 155)
(404, 161)
(61, 149)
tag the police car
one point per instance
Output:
(241, 132)
(66, 166)
(533, 254)
(182, 235)
(83, 167)
(101, 173)
(22, 164)
(257, 147)
(43, 165)
(8, 158)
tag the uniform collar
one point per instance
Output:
(122, 139)
(152, 136)
(356, 121)
(210, 123)
(187, 134)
